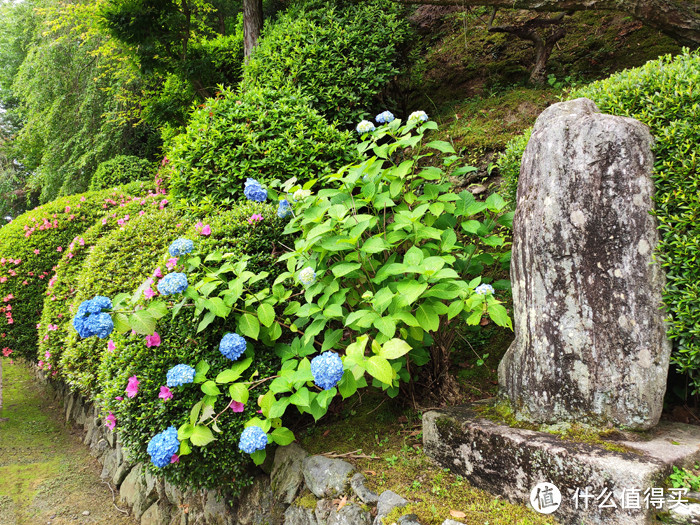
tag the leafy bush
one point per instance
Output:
(119, 262)
(140, 418)
(30, 246)
(257, 134)
(390, 262)
(120, 170)
(663, 95)
(339, 54)
(55, 325)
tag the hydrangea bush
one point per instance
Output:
(386, 263)
(55, 322)
(170, 378)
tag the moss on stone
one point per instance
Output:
(306, 500)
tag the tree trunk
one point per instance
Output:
(252, 25)
(677, 18)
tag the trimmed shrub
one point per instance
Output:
(119, 262)
(30, 247)
(257, 134)
(55, 323)
(120, 170)
(338, 54)
(220, 464)
(662, 94)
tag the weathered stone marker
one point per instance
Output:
(590, 341)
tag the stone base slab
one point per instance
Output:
(511, 461)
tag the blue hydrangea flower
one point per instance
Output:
(253, 191)
(252, 439)
(307, 276)
(173, 283)
(181, 247)
(232, 346)
(90, 320)
(284, 209)
(179, 375)
(327, 370)
(418, 115)
(484, 289)
(384, 117)
(100, 303)
(365, 127)
(163, 446)
(100, 325)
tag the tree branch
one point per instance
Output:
(676, 18)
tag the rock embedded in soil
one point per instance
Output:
(388, 501)
(590, 339)
(326, 477)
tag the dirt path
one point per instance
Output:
(46, 473)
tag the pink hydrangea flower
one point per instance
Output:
(153, 340)
(165, 393)
(110, 421)
(236, 406)
(133, 387)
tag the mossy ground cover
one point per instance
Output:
(46, 473)
(385, 442)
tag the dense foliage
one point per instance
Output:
(119, 262)
(386, 260)
(256, 134)
(121, 170)
(663, 95)
(55, 326)
(338, 54)
(30, 247)
(220, 465)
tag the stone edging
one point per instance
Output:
(299, 490)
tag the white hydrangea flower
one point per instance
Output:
(418, 115)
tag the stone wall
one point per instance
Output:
(300, 489)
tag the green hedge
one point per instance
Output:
(119, 170)
(38, 248)
(119, 262)
(55, 324)
(338, 54)
(664, 95)
(220, 464)
(258, 134)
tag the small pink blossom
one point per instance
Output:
(255, 218)
(172, 262)
(36, 251)
(236, 406)
(110, 421)
(165, 393)
(47, 355)
(158, 273)
(153, 340)
(111, 346)
(6, 352)
(119, 398)
(59, 249)
(133, 387)
(175, 459)
(149, 293)
(206, 230)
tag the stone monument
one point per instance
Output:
(590, 340)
